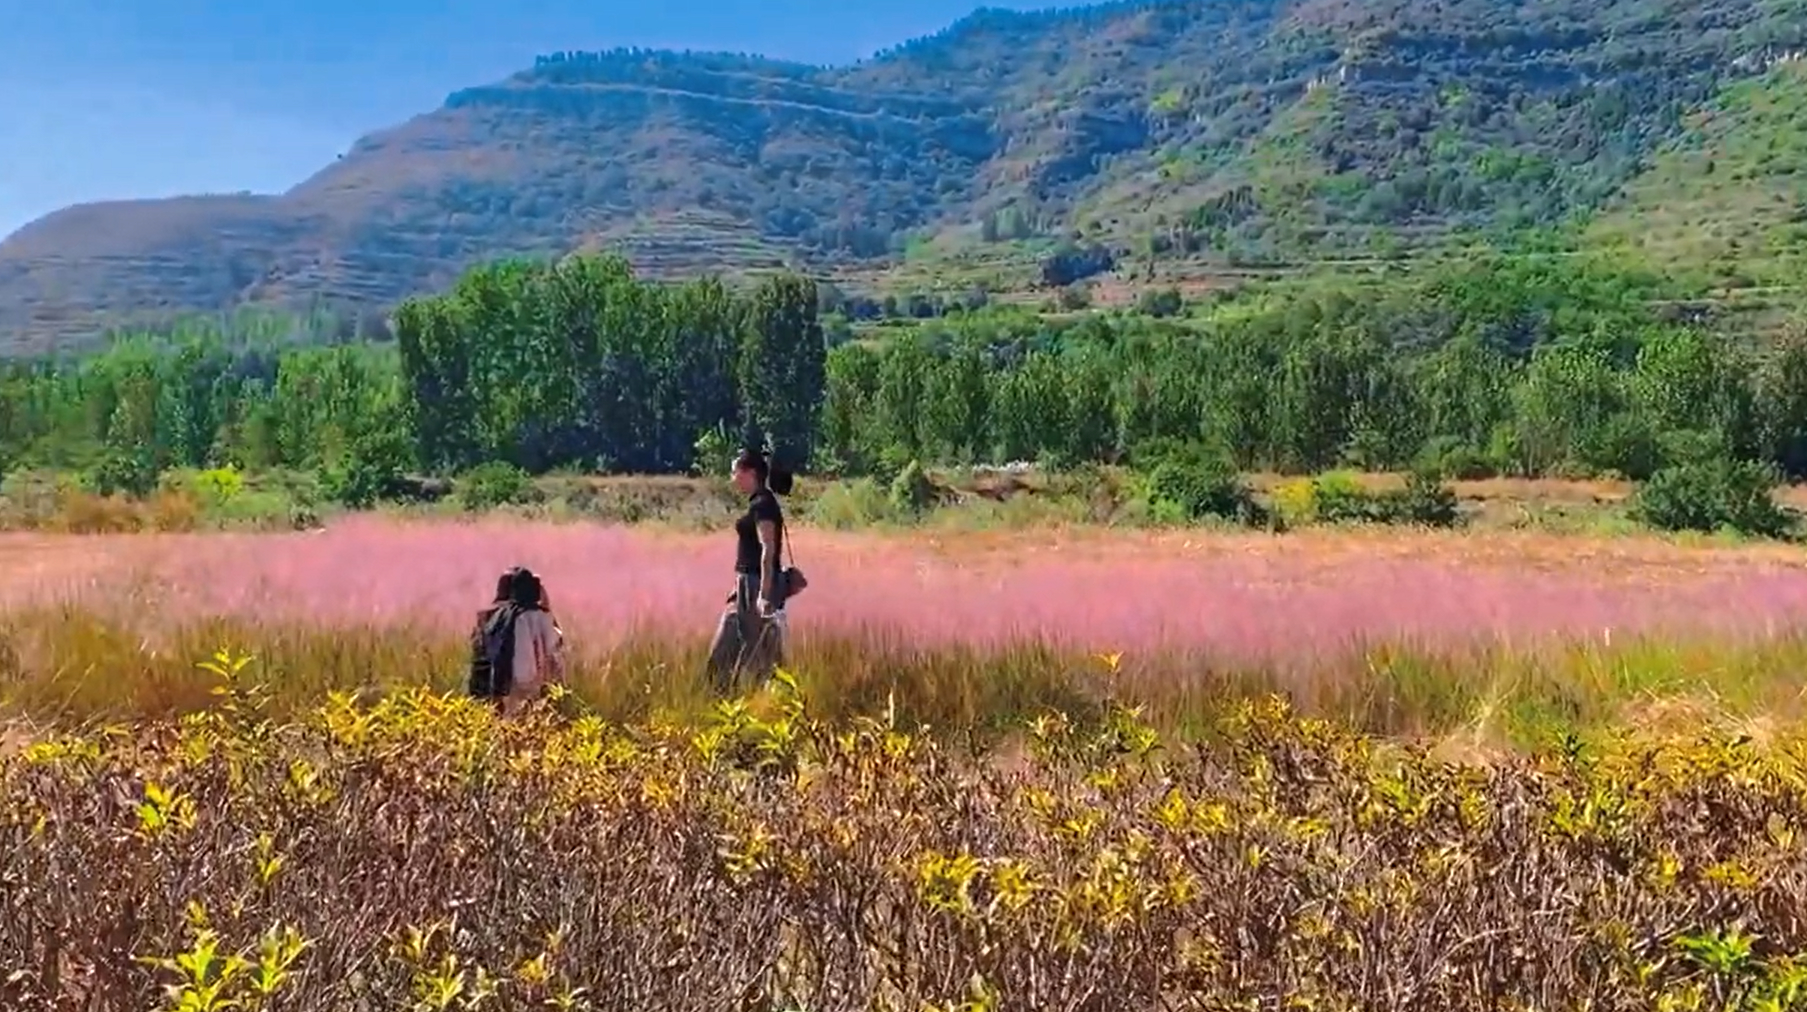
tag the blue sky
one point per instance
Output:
(106, 99)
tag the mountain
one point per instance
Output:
(1222, 132)
(1724, 202)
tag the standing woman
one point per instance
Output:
(750, 636)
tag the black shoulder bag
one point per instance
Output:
(794, 580)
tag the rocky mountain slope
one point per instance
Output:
(1219, 130)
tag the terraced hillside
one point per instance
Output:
(1724, 204)
(1228, 133)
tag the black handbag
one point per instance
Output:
(794, 581)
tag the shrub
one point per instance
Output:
(766, 857)
(712, 452)
(494, 484)
(131, 472)
(1054, 460)
(1295, 501)
(358, 483)
(266, 501)
(849, 505)
(889, 463)
(911, 491)
(1160, 302)
(1425, 501)
(1690, 446)
(1710, 496)
(1448, 457)
(1072, 263)
(220, 485)
(303, 517)
(82, 512)
(369, 470)
(1624, 444)
(35, 498)
(1191, 482)
(173, 510)
(1074, 298)
(213, 490)
(1338, 497)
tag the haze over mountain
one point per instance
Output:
(1222, 130)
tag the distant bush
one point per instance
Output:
(836, 330)
(1339, 497)
(1447, 457)
(890, 463)
(370, 470)
(81, 512)
(1294, 501)
(1161, 302)
(1074, 298)
(220, 485)
(494, 484)
(1189, 482)
(712, 452)
(911, 491)
(173, 511)
(131, 472)
(1073, 263)
(848, 505)
(359, 484)
(303, 517)
(31, 497)
(1424, 501)
(1711, 496)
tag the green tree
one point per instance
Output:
(782, 366)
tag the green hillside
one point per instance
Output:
(1723, 207)
(1200, 139)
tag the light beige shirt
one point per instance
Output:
(539, 653)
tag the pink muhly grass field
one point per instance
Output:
(1251, 598)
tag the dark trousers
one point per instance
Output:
(744, 641)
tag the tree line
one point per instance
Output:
(1488, 371)
(1495, 366)
(574, 365)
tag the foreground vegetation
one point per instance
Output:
(410, 852)
(1479, 694)
(1495, 786)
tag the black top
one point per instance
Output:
(762, 505)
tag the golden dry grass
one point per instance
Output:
(414, 852)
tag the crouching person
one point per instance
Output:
(516, 648)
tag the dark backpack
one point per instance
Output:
(492, 651)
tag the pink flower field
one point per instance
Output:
(1256, 597)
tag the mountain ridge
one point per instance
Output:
(1226, 133)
